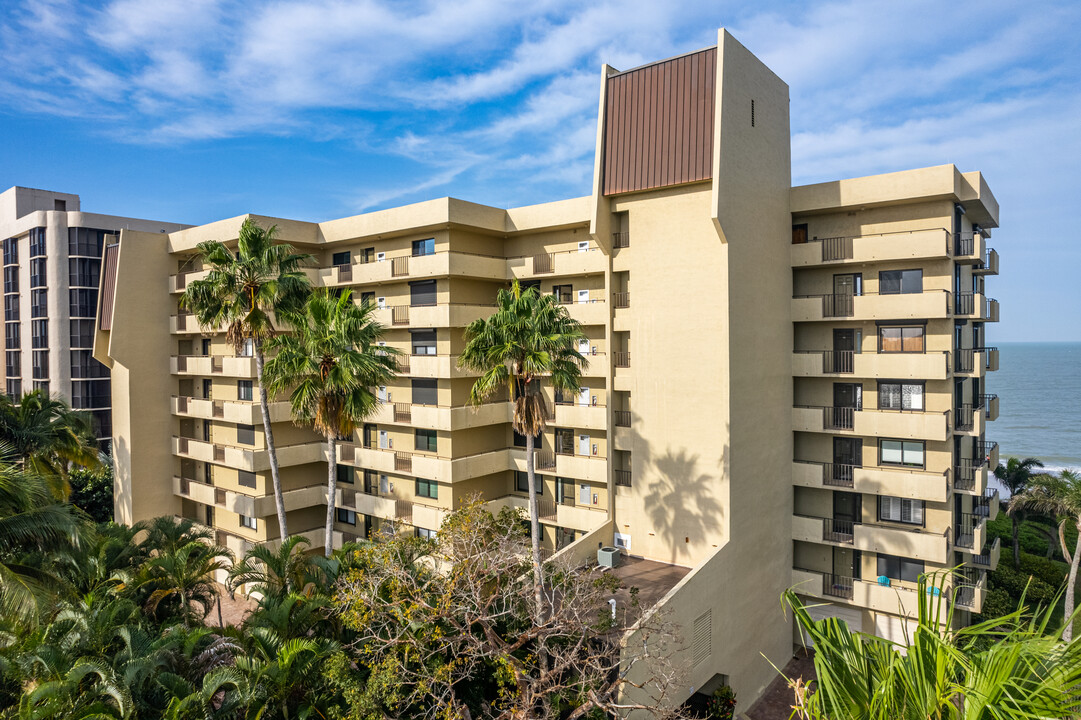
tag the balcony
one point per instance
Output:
(903, 424)
(580, 415)
(594, 312)
(967, 304)
(433, 366)
(969, 531)
(179, 283)
(989, 452)
(990, 312)
(414, 267)
(989, 266)
(428, 316)
(442, 417)
(234, 411)
(970, 479)
(257, 506)
(247, 458)
(895, 366)
(968, 247)
(922, 485)
(990, 357)
(989, 405)
(907, 306)
(989, 556)
(968, 420)
(889, 539)
(210, 365)
(918, 244)
(894, 597)
(589, 261)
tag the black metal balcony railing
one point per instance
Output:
(986, 403)
(840, 531)
(838, 475)
(839, 305)
(964, 243)
(621, 359)
(622, 418)
(964, 417)
(622, 478)
(621, 299)
(836, 248)
(965, 477)
(838, 361)
(621, 239)
(964, 360)
(986, 448)
(544, 460)
(964, 303)
(838, 418)
(965, 530)
(839, 586)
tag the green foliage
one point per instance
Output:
(92, 491)
(722, 704)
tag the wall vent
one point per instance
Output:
(702, 644)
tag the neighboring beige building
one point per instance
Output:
(52, 262)
(753, 415)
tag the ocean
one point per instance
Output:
(1039, 390)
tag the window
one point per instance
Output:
(11, 251)
(900, 510)
(349, 517)
(519, 440)
(341, 258)
(82, 334)
(900, 339)
(244, 390)
(83, 272)
(245, 434)
(39, 303)
(424, 533)
(563, 293)
(424, 247)
(425, 391)
(37, 273)
(900, 396)
(564, 441)
(14, 388)
(427, 488)
(37, 242)
(86, 241)
(84, 366)
(11, 335)
(425, 440)
(521, 482)
(247, 348)
(83, 303)
(245, 478)
(12, 363)
(423, 342)
(367, 297)
(900, 282)
(899, 568)
(11, 306)
(39, 331)
(344, 474)
(42, 385)
(422, 294)
(900, 452)
(367, 255)
(41, 364)
(11, 279)
(249, 522)
(90, 394)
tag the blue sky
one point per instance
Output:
(196, 110)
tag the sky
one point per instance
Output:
(196, 110)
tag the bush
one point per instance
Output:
(722, 704)
(93, 492)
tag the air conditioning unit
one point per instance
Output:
(608, 557)
(380, 257)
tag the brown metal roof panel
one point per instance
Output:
(108, 286)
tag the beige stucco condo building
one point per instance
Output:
(785, 384)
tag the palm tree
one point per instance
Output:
(185, 576)
(529, 337)
(1004, 667)
(275, 573)
(243, 291)
(47, 437)
(1015, 476)
(1058, 496)
(332, 362)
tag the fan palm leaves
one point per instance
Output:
(244, 292)
(1060, 497)
(184, 578)
(331, 363)
(529, 338)
(277, 572)
(1015, 476)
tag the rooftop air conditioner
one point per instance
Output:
(608, 557)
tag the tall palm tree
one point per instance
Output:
(1060, 497)
(529, 337)
(332, 362)
(1004, 667)
(1015, 476)
(47, 437)
(244, 291)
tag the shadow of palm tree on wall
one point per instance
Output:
(682, 500)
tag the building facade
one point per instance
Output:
(752, 414)
(52, 263)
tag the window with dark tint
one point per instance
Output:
(39, 303)
(906, 453)
(341, 258)
(424, 247)
(41, 364)
(82, 334)
(37, 273)
(246, 479)
(11, 307)
(244, 390)
(344, 473)
(83, 365)
(427, 488)
(367, 255)
(83, 272)
(86, 394)
(13, 363)
(367, 297)
(86, 241)
(245, 434)
(14, 388)
(11, 335)
(42, 385)
(900, 510)
(11, 251)
(894, 282)
(425, 440)
(347, 517)
(899, 568)
(422, 293)
(37, 242)
(521, 482)
(900, 396)
(900, 339)
(423, 342)
(83, 303)
(39, 331)
(563, 293)
(11, 279)
(565, 441)
(425, 391)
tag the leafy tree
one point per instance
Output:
(275, 573)
(332, 362)
(92, 491)
(1016, 475)
(1006, 667)
(529, 337)
(184, 576)
(244, 291)
(1058, 496)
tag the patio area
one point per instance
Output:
(653, 579)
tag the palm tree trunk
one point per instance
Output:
(272, 452)
(1016, 543)
(534, 529)
(1067, 632)
(332, 488)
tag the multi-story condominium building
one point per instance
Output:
(52, 262)
(785, 385)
